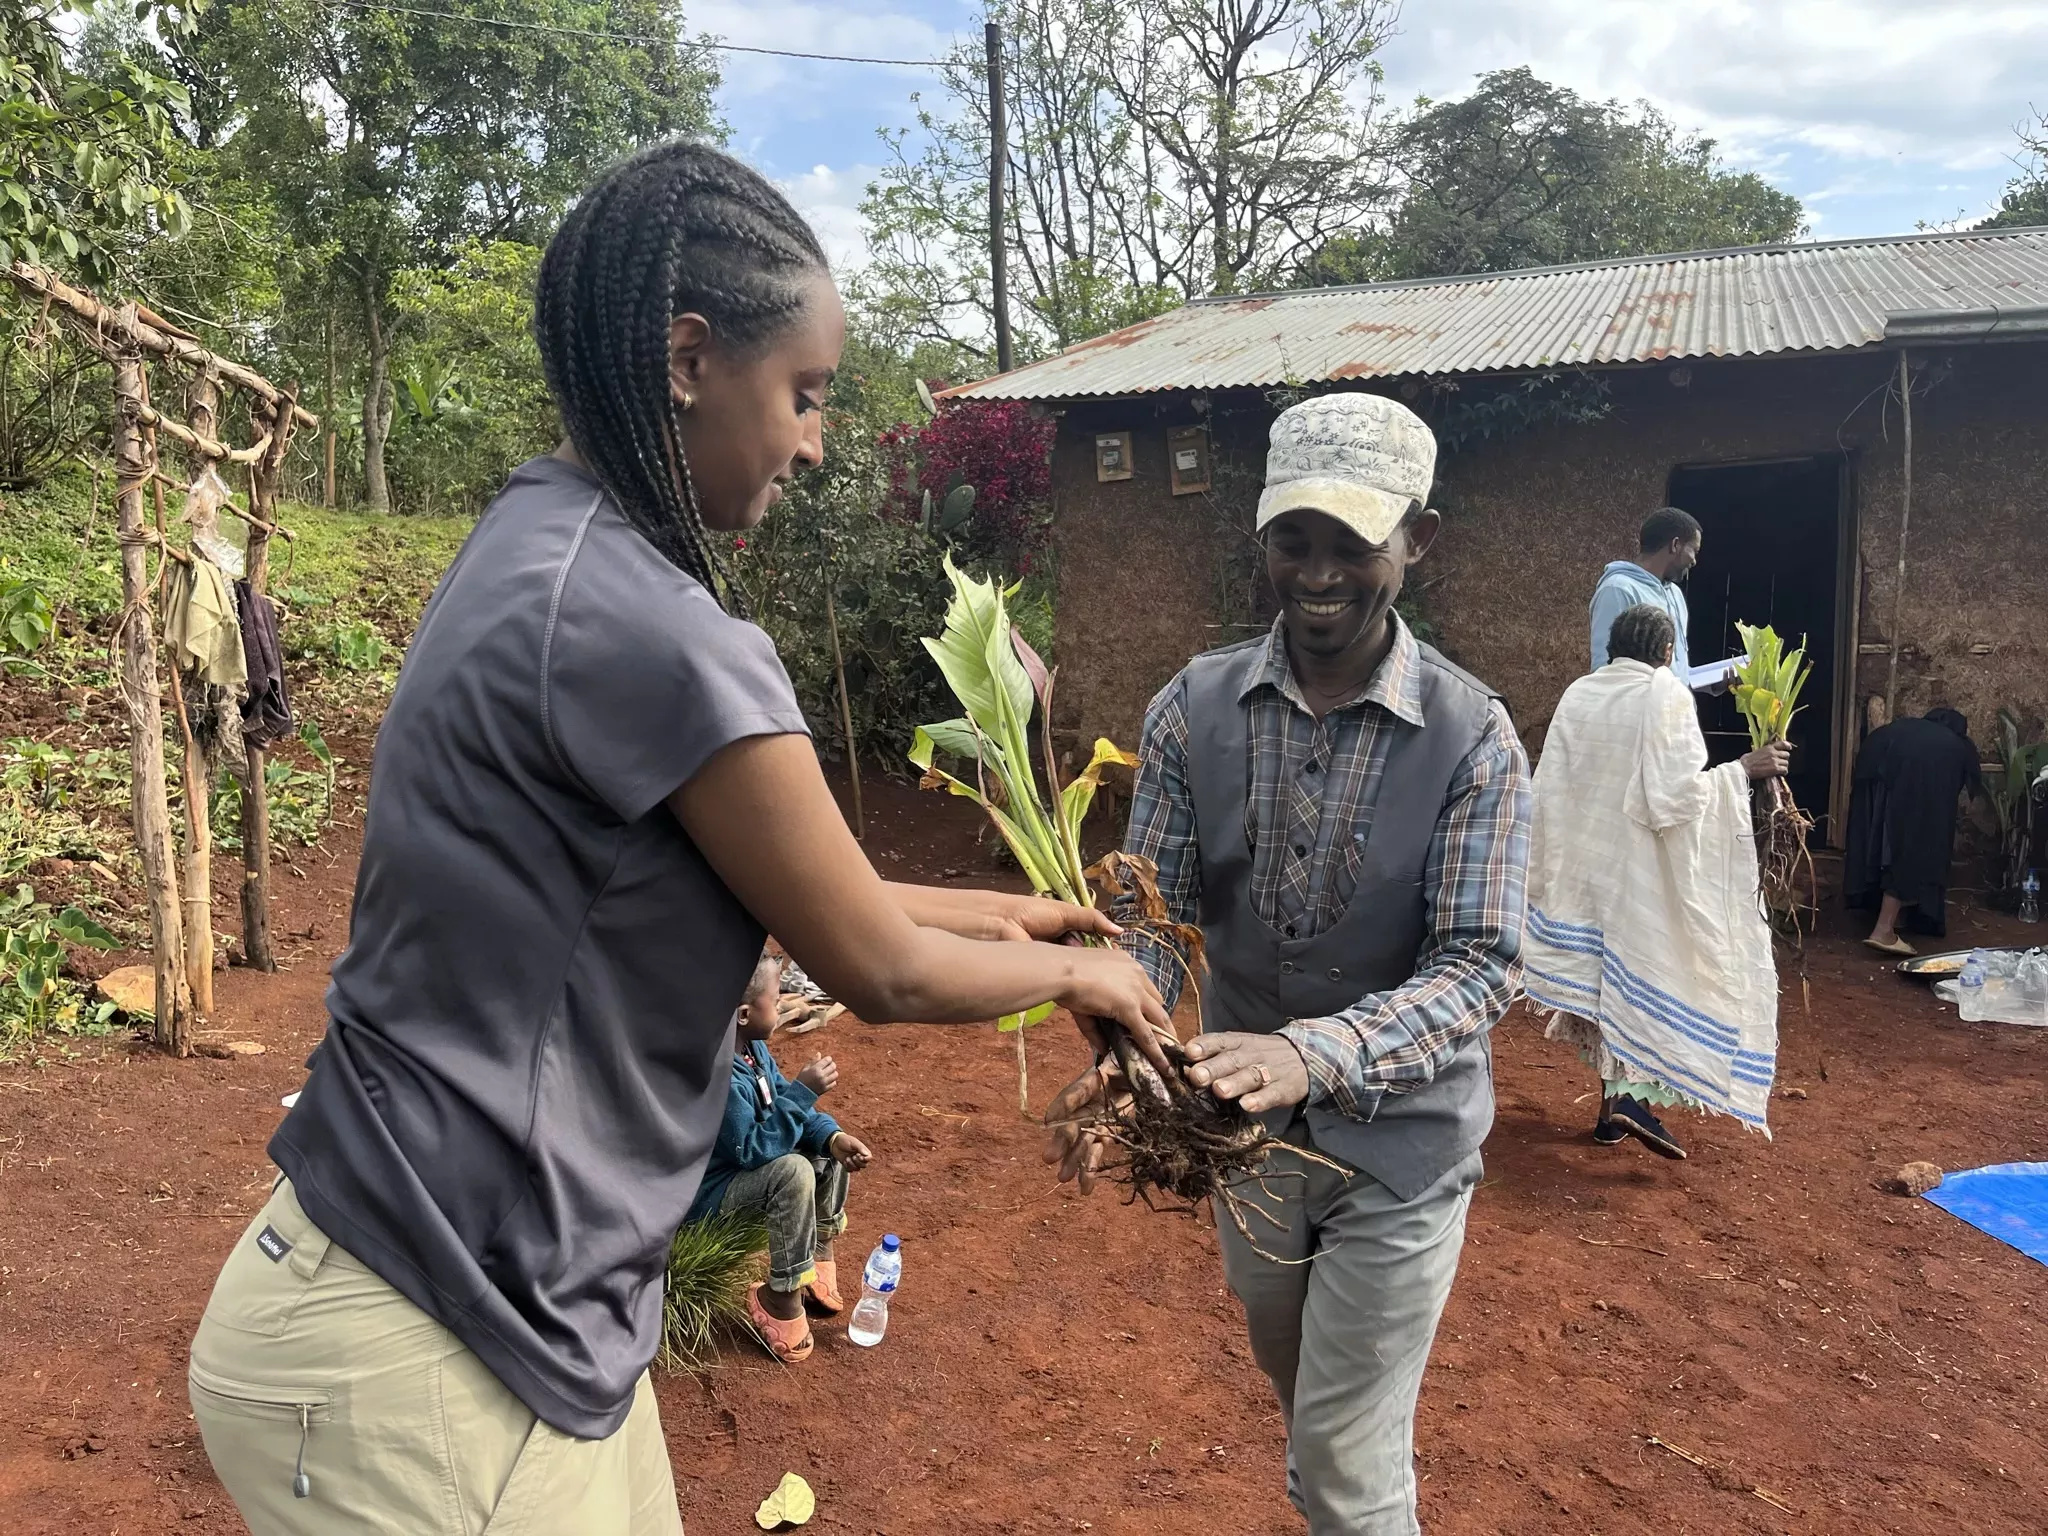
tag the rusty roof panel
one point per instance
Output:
(1818, 297)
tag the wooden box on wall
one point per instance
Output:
(1112, 456)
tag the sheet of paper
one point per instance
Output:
(1715, 672)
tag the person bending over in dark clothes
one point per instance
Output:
(1902, 824)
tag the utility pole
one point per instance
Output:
(998, 166)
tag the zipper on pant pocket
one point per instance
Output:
(293, 1404)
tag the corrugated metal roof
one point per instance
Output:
(1824, 296)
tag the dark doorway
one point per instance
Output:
(1771, 553)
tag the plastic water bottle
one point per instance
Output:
(877, 1285)
(2030, 897)
(1970, 988)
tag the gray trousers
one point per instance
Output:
(803, 1200)
(1345, 1336)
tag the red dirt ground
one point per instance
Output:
(1057, 1364)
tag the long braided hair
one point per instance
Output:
(677, 228)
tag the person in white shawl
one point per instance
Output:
(1646, 943)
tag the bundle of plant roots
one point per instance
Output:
(1177, 1144)
(1767, 688)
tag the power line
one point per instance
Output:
(385, 8)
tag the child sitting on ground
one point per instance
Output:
(779, 1154)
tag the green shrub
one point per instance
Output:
(36, 995)
(358, 646)
(26, 617)
(301, 804)
(471, 401)
(887, 591)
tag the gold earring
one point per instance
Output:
(689, 401)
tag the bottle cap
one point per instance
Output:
(891, 1242)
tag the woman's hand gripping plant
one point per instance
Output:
(1168, 1138)
(1767, 687)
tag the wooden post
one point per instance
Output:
(845, 710)
(1891, 682)
(263, 477)
(149, 798)
(202, 412)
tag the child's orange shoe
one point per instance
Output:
(822, 1294)
(787, 1339)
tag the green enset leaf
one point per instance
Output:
(1010, 1023)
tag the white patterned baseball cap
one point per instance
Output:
(1362, 459)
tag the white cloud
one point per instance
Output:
(1917, 85)
(830, 199)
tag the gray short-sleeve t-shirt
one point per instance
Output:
(528, 1052)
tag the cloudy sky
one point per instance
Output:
(1878, 114)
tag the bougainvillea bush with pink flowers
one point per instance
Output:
(1003, 450)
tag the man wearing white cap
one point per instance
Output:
(1346, 815)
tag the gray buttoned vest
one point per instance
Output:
(1258, 979)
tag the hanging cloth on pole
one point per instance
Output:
(200, 627)
(267, 716)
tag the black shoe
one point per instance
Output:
(1633, 1118)
(1608, 1133)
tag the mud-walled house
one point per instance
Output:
(1778, 393)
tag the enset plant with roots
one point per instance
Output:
(1767, 687)
(1176, 1141)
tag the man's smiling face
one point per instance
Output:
(1335, 588)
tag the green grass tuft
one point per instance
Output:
(710, 1266)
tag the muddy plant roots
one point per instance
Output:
(1177, 1145)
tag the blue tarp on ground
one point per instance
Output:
(2010, 1201)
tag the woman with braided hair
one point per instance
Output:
(592, 795)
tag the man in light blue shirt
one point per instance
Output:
(1670, 547)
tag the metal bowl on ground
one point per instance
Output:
(1942, 967)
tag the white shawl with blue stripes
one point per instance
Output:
(1643, 910)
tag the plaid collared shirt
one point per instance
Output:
(1314, 785)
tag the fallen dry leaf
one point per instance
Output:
(792, 1503)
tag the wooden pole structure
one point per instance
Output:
(114, 329)
(845, 710)
(137, 636)
(998, 166)
(263, 479)
(1891, 682)
(202, 413)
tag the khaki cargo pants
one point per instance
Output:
(330, 1403)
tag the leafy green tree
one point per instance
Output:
(390, 142)
(1158, 150)
(2026, 196)
(84, 160)
(1522, 173)
(471, 399)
